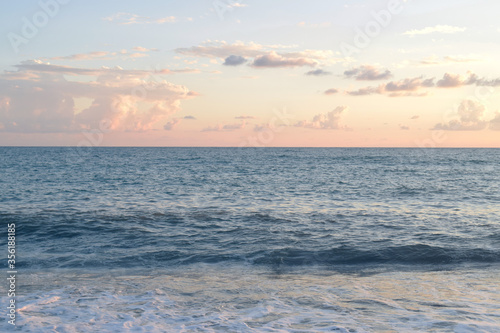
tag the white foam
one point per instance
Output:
(214, 298)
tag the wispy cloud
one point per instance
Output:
(446, 60)
(106, 55)
(443, 29)
(304, 24)
(224, 128)
(129, 18)
(245, 117)
(143, 49)
(414, 86)
(85, 56)
(318, 72)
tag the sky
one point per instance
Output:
(250, 73)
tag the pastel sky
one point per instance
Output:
(338, 73)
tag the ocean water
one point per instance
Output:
(252, 240)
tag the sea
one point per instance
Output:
(251, 239)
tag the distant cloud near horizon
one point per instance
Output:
(190, 117)
(470, 115)
(171, 124)
(38, 99)
(222, 128)
(245, 117)
(124, 18)
(330, 120)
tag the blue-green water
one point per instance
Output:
(250, 240)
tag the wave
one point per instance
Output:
(341, 257)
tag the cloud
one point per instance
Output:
(314, 25)
(368, 73)
(495, 122)
(470, 114)
(410, 84)
(414, 117)
(318, 72)
(38, 66)
(234, 60)
(237, 5)
(138, 55)
(274, 60)
(366, 91)
(224, 128)
(330, 120)
(266, 53)
(40, 98)
(447, 60)
(482, 82)
(143, 49)
(331, 91)
(404, 128)
(244, 117)
(84, 56)
(452, 81)
(404, 87)
(221, 49)
(443, 29)
(190, 117)
(414, 86)
(128, 18)
(171, 124)
(102, 55)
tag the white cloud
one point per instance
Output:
(39, 98)
(443, 29)
(470, 118)
(495, 122)
(273, 59)
(84, 56)
(330, 120)
(269, 55)
(129, 18)
(414, 86)
(446, 60)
